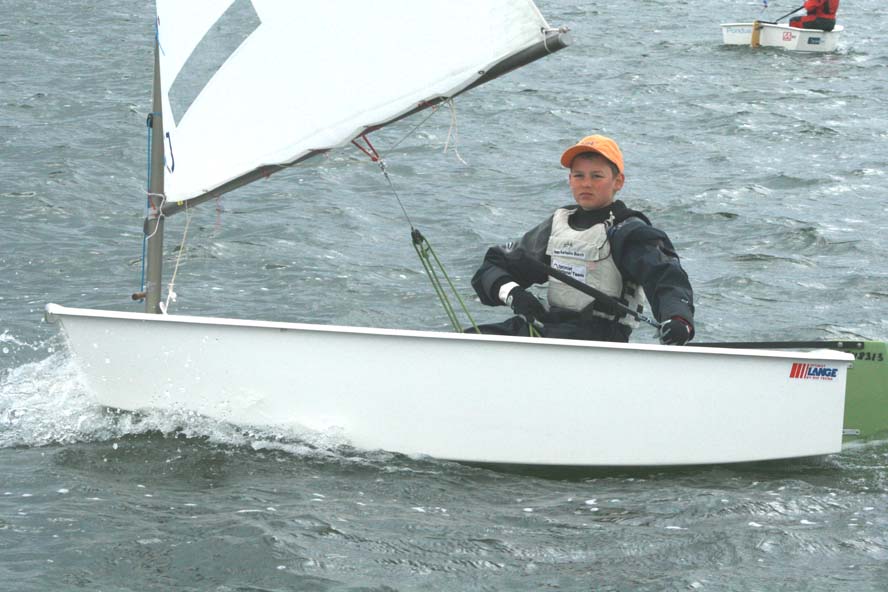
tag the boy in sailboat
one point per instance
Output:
(600, 242)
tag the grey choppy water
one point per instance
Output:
(767, 168)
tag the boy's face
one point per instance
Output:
(592, 181)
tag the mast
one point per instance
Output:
(153, 226)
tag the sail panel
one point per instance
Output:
(180, 28)
(312, 76)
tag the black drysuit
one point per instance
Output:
(644, 255)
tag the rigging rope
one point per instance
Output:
(171, 295)
(453, 131)
(431, 263)
(425, 252)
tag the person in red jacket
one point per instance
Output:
(821, 15)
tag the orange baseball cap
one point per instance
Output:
(600, 144)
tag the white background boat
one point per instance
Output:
(778, 35)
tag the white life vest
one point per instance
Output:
(586, 256)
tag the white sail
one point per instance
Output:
(264, 82)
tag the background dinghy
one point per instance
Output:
(762, 34)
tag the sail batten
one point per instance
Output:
(285, 88)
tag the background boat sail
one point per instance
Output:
(243, 89)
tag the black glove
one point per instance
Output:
(526, 304)
(676, 331)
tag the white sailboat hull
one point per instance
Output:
(784, 36)
(467, 397)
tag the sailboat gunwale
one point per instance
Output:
(53, 312)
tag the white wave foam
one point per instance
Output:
(48, 402)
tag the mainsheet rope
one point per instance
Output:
(431, 263)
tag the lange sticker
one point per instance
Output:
(813, 371)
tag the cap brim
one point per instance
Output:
(574, 151)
